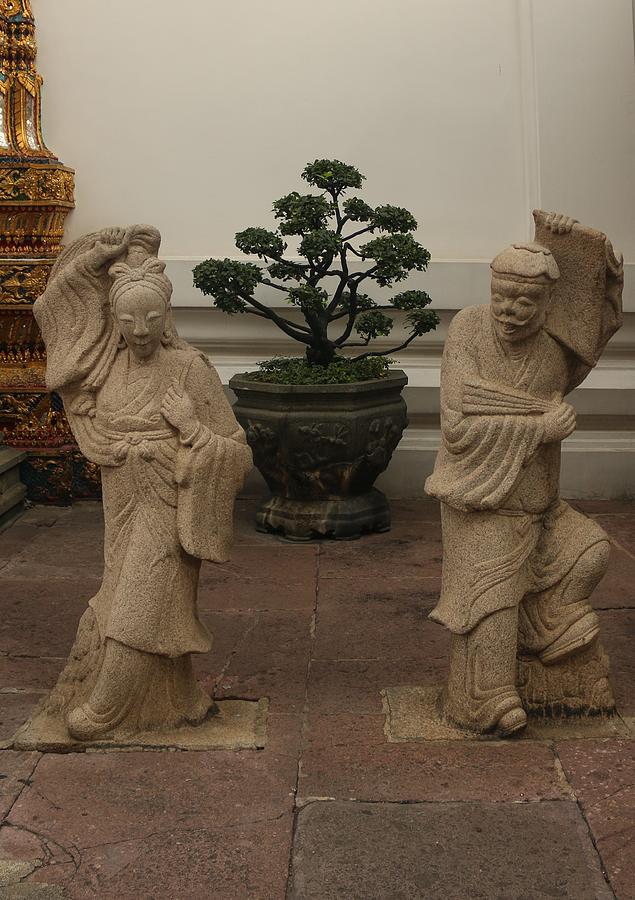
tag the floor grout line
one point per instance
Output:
(576, 799)
(616, 543)
(240, 641)
(26, 782)
(305, 714)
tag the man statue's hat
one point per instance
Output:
(526, 262)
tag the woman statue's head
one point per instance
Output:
(140, 303)
(145, 241)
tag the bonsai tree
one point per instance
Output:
(344, 247)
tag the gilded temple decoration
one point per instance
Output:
(36, 195)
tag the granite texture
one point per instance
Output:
(520, 564)
(151, 412)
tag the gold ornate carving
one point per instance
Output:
(36, 194)
(22, 183)
(90, 472)
(23, 282)
(15, 7)
(20, 84)
(32, 420)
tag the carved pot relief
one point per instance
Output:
(322, 443)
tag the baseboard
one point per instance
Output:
(596, 464)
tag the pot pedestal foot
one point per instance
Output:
(346, 518)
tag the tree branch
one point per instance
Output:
(289, 328)
(278, 287)
(339, 290)
(357, 233)
(386, 352)
(253, 312)
(362, 276)
(300, 267)
(352, 315)
(338, 212)
(363, 343)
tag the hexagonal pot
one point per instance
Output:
(320, 449)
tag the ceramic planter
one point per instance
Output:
(320, 449)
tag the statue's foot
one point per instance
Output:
(83, 727)
(577, 636)
(513, 721)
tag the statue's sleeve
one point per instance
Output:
(586, 302)
(212, 464)
(74, 317)
(484, 450)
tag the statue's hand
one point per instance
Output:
(559, 223)
(559, 423)
(179, 410)
(112, 242)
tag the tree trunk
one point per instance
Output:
(320, 355)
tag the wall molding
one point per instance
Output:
(595, 464)
(530, 122)
(236, 343)
(452, 283)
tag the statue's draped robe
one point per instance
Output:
(168, 498)
(167, 501)
(505, 531)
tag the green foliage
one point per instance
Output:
(393, 219)
(323, 286)
(332, 175)
(422, 321)
(310, 299)
(411, 300)
(285, 271)
(373, 324)
(301, 213)
(395, 256)
(362, 302)
(357, 210)
(260, 242)
(320, 243)
(230, 283)
(296, 370)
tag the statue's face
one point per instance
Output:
(519, 308)
(141, 315)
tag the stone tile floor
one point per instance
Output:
(329, 809)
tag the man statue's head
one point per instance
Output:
(523, 276)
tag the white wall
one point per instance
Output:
(196, 115)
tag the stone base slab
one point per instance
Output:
(413, 713)
(237, 725)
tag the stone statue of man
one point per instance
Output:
(519, 563)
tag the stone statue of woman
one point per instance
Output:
(151, 412)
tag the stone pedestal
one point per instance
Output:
(12, 491)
